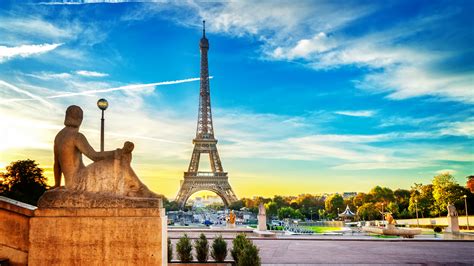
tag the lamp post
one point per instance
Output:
(311, 213)
(465, 206)
(102, 104)
(338, 213)
(383, 216)
(416, 210)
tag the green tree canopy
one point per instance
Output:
(441, 191)
(334, 202)
(23, 181)
(368, 211)
(382, 194)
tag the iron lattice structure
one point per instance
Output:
(217, 180)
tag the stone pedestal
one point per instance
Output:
(453, 224)
(262, 222)
(98, 236)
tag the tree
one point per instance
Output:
(184, 248)
(441, 193)
(470, 183)
(402, 197)
(202, 248)
(423, 194)
(23, 181)
(334, 202)
(272, 209)
(360, 199)
(288, 212)
(170, 205)
(219, 249)
(236, 205)
(368, 211)
(382, 194)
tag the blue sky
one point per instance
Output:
(307, 97)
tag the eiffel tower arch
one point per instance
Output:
(194, 180)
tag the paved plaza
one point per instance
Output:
(305, 251)
(294, 251)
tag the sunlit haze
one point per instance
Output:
(307, 96)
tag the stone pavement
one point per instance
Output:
(307, 252)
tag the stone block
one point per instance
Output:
(98, 236)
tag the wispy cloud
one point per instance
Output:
(124, 88)
(8, 53)
(27, 93)
(359, 113)
(91, 74)
(396, 57)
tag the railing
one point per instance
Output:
(205, 174)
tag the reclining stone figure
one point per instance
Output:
(109, 180)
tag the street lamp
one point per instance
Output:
(311, 212)
(102, 104)
(416, 210)
(465, 206)
(383, 216)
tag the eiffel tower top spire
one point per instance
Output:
(204, 29)
(205, 129)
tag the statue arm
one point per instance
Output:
(84, 147)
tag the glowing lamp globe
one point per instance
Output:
(102, 104)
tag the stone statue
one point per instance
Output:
(262, 218)
(453, 219)
(389, 218)
(110, 176)
(452, 210)
(232, 217)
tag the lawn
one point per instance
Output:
(322, 229)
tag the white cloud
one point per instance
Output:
(404, 82)
(359, 113)
(91, 74)
(8, 53)
(315, 33)
(49, 76)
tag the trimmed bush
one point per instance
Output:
(184, 248)
(170, 250)
(238, 244)
(219, 249)
(249, 256)
(437, 229)
(201, 246)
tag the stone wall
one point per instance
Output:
(439, 221)
(85, 236)
(14, 230)
(98, 236)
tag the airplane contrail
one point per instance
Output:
(127, 87)
(36, 97)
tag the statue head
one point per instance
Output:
(73, 116)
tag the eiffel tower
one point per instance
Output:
(216, 181)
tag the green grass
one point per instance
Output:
(322, 229)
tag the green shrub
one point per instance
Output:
(170, 250)
(219, 249)
(201, 246)
(437, 229)
(184, 248)
(238, 244)
(249, 256)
